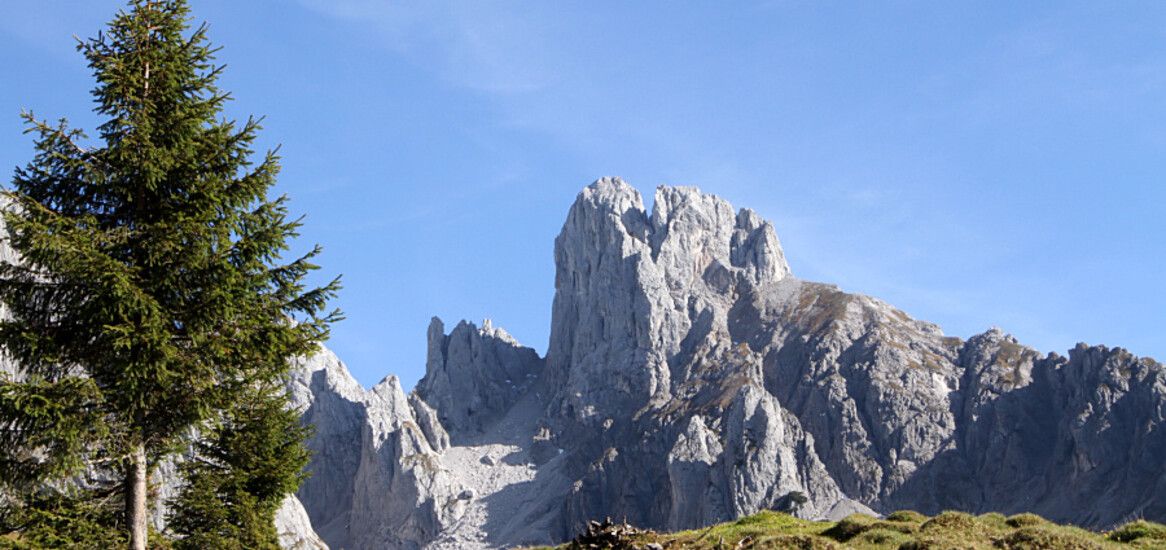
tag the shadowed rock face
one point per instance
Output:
(376, 477)
(474, 375)
(691, 378)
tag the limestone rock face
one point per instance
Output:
(377, 479)
(294, 527)
(872, 386)
(472, 375)
(690, 378)
(1078, 438)
(334, 404)
(633, 290)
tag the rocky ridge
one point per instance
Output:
(690, 378)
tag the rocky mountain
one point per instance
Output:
(690, 378)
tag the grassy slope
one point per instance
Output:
(902, 531)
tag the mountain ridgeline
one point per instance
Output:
(691, 378)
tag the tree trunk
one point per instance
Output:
(136, 487)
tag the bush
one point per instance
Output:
(796, 542)
(858, 524)
(907, 516)
(921, 544)
(1141, 529)
(65, 520)
(1026, 520)
(993, 518)
(1043, 538)
(849, 527)
(952, 521)
(883, 536)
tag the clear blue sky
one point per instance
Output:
(973, 163)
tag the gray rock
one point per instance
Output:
(334, 404)
(294, 527)
(690, 378)
(427, 420)
(377, 479)
(633, 290)
(474, 375)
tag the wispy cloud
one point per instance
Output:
(1059, 61)
(50, 26)
(489, 46)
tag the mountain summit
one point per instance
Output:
(690, 378)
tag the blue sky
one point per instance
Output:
(975, 164)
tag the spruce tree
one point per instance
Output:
(243, 468)
(151, 293)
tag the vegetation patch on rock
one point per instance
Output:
(1140, 531)
(902, 530)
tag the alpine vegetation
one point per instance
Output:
(150, 314)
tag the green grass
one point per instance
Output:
(903, 530)
(1141, 533)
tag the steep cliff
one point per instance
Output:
(690, 378)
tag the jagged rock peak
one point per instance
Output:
(474, 374)
(685, 221)
(630, 287)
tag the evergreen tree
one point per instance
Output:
(151, 294)
(240, 475)
(71, 518)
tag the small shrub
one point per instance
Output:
(1138, 530)
(858, 524)
(796, 542)
(993, 521)
(926, 544)
(951, 521)
(1026, 520)
(883, 536)
(793, 500)
(907, 516)
(899, 527)
(766, 518)
(1043, 538)
(849, 527)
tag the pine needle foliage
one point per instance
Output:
(151, 291)
(70, 518)
(240, 476)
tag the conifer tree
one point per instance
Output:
(151, 293)
(239, 476)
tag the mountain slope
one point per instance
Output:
(692, 379)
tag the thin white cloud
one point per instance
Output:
(51, 26)
(489, 46)
(1053, 63)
